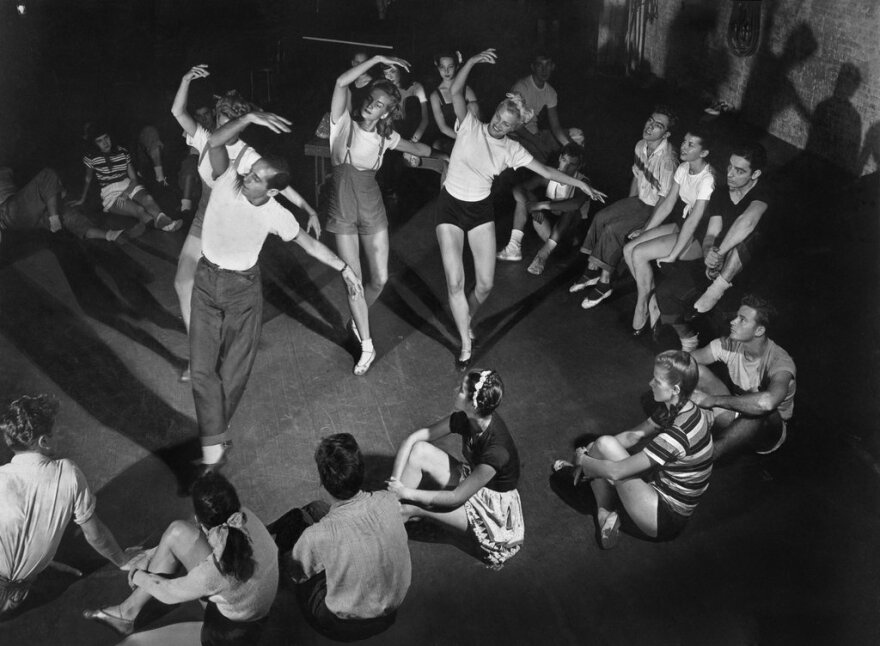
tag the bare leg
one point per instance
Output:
(451, 240)
(425, 459)
(376, 250)
(146, 200)
(640, 257)
(482, 243)
(181, 544)
(348, 246)
(186, 273)
(132, 209)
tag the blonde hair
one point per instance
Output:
(516, 104)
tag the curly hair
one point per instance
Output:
(516, 104)
(27, 419)
(233, 105)
(340, 465)
(491, 391)
(384, 127)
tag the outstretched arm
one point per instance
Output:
(178, 107)
(556, 175)
(457, 90)
(298, 200)
(322, 252)
(339, 102)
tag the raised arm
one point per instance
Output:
(459, 83)
(556, 175)
(178, 106)
(423, 107)
(230, 130)
(339, 102)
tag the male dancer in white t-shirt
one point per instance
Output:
(227, 299)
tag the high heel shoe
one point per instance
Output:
(642, 331)
(463, 364)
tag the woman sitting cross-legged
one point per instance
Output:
(477, 497)
(229, 557)
(660, 485)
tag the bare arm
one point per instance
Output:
(551, 173)
(687, 232)
(298, 200)
(339, 102)
(413, 148)
(661, 211)
(132, 173)
(102, 541)
(460, 81)
(446, 499)
(555, 128)
(432, 433)
(178, 107)
(633, 436)
(634, 187)
(230, 130)
(423, 107)
(320, 251)
(743, 226)
(614, 470)
(759, 403)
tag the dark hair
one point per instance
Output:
(340, 465)
(542, 53)
(384, 127)
(704, 135)
(765, 312)
(681, 370)
(670, 115)
(491, 392)
(281, 179)
(454, 54)
(752, 152)
(572, 149)
(215, 500)
(27, 419)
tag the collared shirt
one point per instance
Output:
(654, 173)
(38, 497)
(362, 546)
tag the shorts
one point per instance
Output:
(356, 205)
(121, 190)
(464, 215)
(669, 522)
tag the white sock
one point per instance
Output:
(160, 175)
(712, 295)
(212, 453)
(549, 246)
(367, 345)
(185, 204)
(112, 235)
(690, 344)
(516, 237)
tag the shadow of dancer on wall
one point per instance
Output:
(836, 131)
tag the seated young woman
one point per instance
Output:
(229, 557)
(478, 497)
(693, 183)
(447, 64)
(660, 485)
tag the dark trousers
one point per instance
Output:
(227, 316)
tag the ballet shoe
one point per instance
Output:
(364, 363)
(122, 626)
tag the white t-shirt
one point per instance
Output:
(694, 187)
(536, 98)
(234, 229)
(365, 146)
(199, 140)
(477, 158)
(38, 497)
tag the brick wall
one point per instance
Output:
(814, 81)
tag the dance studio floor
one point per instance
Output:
(782, 550)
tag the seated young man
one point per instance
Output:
(654, 164)
(352, 565)
(38, 497)
(539, 94)
(554, 217)
(752, 412)
(730, 239)
(39, 205)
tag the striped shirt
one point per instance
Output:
(683, 453)
(109, 168)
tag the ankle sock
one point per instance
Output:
(185, 204)
(712, 295)
(212, 453)
(690, 343)
(516, 237)
(367, 345)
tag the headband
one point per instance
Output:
(479, 385)
(217, 535)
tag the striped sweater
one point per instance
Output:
(683, 453)
(109, 168)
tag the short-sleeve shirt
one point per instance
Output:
(721, 205)
(234, 229)
(683, 452)
(654, 172)
(38, 497)
(753, 375)
(199, 141)
(362, 546)
(109, 168)
(493, 447)
(694, 187)
(536, 98)
(367, 148)
(237, 600)
(477, 157)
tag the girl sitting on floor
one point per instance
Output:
(660, 485)
(478, 497)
